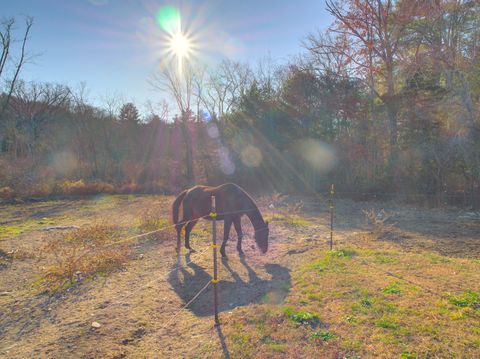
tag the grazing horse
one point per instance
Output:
(231, 202)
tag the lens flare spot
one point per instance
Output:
(207, 116)
(226, 164)
(168, 17)
(318, 155)
(64, 163)
(212, 131)
(251, 156)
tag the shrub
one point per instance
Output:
(128, 188)
(81, 254)
(39, 190)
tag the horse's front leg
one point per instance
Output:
(237, 222)
(226, 232)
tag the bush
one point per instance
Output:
(128, 188)
(81, 254)
(80, 188)
(39, 190)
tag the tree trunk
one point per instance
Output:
(189, 152)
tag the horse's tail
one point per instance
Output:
(176, 205)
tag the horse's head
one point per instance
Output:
(261, 237)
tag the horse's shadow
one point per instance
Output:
(230, 294)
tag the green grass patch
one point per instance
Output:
(342, 253)
(436, 258)
(408, 355)
(296, 221)
(301, 317)
(14, 230)
(383, 257)
(468, 299)
(323, 335)
(332, 261)
(10, 231)
(387, 323)
(392, 289)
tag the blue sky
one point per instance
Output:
(114, 46)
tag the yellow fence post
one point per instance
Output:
(332, 192)
(213, 215)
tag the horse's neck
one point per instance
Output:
(256, 218)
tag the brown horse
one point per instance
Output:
(231, 201)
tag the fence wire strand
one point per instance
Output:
(186, 305)
(162, 277)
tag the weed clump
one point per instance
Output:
(81, 254)
(152, 219)
(378, 222)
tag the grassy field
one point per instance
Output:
(74, 283)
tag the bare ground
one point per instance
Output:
(139, 308)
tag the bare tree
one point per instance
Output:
(219, 89)
(6, 54)
(33, 105)
(178, 83)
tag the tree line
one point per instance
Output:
(385, 102)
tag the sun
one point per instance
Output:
(180, 45)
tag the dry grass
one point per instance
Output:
(7, 193)
(81, 254)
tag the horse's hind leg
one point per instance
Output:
(237, 222)
(226, 232)
(188, 229)
(178, 227)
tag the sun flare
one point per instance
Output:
(180, 45)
